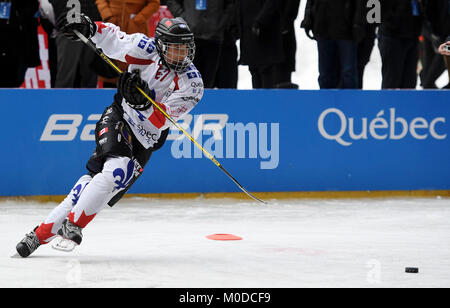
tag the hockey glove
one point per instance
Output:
(66, 23)
(126, 86)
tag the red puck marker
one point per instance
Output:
(224, 237)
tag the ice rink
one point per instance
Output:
(297, 243)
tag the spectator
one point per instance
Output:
(261, 43)
(338, 26)
(47, 20)
(433, 64)
(365, 48)
(284, 70)
(208, 20)
(132, 17)
(401, 24)
(227, 72)
(20, 48)
(438, 16)
(74, 59)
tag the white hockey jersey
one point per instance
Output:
(176, 93)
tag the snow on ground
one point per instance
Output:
(291, 243)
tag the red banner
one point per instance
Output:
(39, 77)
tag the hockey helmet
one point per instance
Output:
(175, 43)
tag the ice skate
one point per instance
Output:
(70, 236)
(28, 245)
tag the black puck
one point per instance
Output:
(412, 270)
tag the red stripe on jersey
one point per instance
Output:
(100, 26)
(133, 60)
(175, 79)
(157, 118)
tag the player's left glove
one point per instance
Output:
(67, 23)
(126, 86)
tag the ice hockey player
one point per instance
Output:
(130, 129)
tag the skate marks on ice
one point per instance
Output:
(305, 243)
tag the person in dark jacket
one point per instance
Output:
(74, 59)
(208, 20)
(433, 64)
(338, 26)
(365, 48)
(289, 12)
(398, 41)
(438, 18)
(227, 72)
(19, 49)
(261, 44)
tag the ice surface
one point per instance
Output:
(296, 243)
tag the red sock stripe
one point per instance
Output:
(82, 221)
(44, 232)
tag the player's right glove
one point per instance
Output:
(126, 86)
(80, 22)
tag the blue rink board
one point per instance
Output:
(293, 141)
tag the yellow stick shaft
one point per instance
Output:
(155, 105)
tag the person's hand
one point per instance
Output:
(80, 22)
(126, 86)
(444, 49)
(307, 25)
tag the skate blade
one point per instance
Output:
(16, 256)
(63, 244)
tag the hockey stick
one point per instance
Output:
(107, 60)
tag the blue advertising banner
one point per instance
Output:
(270, 140)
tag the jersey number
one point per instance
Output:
(162, 73)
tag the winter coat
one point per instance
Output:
(437, 12)
(19, 49)
(289, 12)
(260, 25)
(336, 19)
(398, 20)
(130, 15)
(207, 24)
